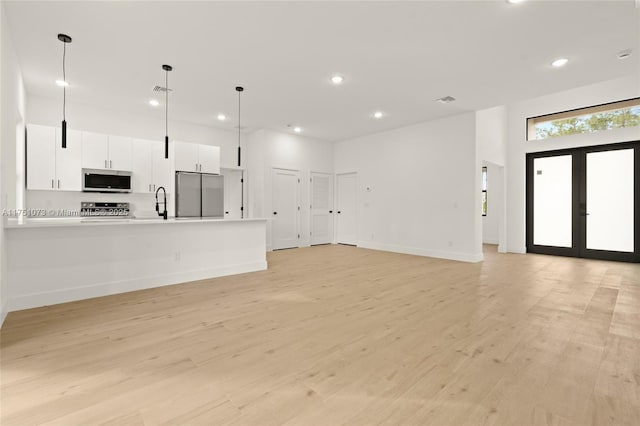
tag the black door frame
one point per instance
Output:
(579, 223)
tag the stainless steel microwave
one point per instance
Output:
(96, 180)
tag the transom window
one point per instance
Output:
(585, 120)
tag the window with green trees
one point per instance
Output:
(585, 120)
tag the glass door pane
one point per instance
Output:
(552, 201)
(610, 196)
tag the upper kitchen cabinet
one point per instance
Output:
(142, 178)
(191, 157)
(161, 168)
(49, 166)
(69, 161)
(186, 157)
(150, 169)
(120, 153)
(106, 152)
(41, 157)
(95, 151)
(209, 157)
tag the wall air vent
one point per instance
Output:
(446, 100)
(160, 89)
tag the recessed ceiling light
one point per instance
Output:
(515, 1)
(297, 129)
(624, 54)
(446, 100)
(222, 117)
(62, 83)
(337, 79)
(560, 62)
(154, 103)
(378, 114)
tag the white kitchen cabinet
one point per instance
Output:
(69, 161)
(41, 157)
(191, 157)
(119, 153)
(106, 152)
(186, 157)
(49, 166)
(150, 169)
(95, 151)
(161, 168)
(209, 159)
(142, 177)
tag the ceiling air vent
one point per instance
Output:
(160, 89)
(446, 100)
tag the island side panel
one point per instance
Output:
(60, 264)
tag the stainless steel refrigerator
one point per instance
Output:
(199, 195)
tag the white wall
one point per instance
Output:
(518, 146)
(491, 134)
(12, 111)
(425, 188)
(268, 149)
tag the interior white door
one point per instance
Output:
(69, 161)
(232, 193)
(95, 151)
(321, 208)
(286, 209)
(41, 157)
(346, 209)
(119, 153)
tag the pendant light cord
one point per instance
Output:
(64, 78)
(239, 98)
(166, 104)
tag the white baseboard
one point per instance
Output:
(115, 287)
(493, 241)
(440, 254)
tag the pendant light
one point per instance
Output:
(64, 39)
(240, 89)
(167, 68)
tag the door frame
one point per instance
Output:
(298, 198)
(335, 205)
(579, 223)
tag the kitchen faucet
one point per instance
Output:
(163, 214)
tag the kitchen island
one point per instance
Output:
(53, 261)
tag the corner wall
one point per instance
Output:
(424, 183)
(518, 146)
(12, 110)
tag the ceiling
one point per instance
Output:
(397, 57)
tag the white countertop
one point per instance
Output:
(55, 222)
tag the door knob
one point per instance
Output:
(330, 211)
(275, 212)
(338, 211)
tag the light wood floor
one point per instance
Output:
(336, 335)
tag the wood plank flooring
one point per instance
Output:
(335, 335)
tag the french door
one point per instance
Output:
(585, 202)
